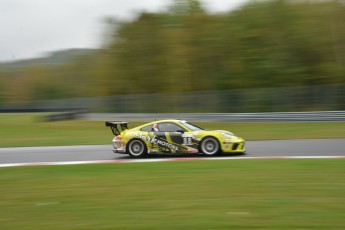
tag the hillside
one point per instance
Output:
(53, 58)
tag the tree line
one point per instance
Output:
(272, 43)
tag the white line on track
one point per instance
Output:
(160, 160)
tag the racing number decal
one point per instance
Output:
(187, 141)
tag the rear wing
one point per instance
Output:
(114, 126)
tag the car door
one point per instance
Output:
(170, 138)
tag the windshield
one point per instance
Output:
(190, 126)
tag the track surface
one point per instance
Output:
(274, 148)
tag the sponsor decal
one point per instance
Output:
(155, 140)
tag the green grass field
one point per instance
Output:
(234, 194)
(30, 130)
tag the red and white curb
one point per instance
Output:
(161, 160)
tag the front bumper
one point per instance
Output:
(236, 147)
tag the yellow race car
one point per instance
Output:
(172, 136)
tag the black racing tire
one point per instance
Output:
(136, 148)
(210, 146)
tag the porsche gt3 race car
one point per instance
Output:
(172, 137)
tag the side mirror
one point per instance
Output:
(180, 131)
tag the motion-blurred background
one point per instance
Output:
(261, 56)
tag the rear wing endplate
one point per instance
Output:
(114, 126)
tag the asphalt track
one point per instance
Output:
(272, 148)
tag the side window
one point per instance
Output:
(147, 128)
(169, 127)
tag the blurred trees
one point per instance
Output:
(268, 43)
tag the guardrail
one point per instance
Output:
(222, 117)
(253, 100)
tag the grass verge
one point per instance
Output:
(251, 194)
(28, 130)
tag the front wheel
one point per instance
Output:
(136, 148)
(209, 146)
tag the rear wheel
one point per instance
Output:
(136, 148)
(209, 146)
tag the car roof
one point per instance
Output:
(166, 120)
(170, 120)
(160, 121)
